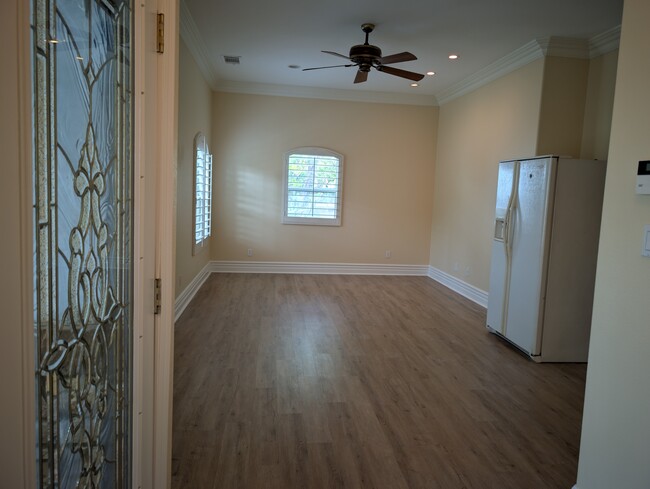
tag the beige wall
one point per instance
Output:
(194, 115)
(562, 108)
(598, 106)
(16, 418)
(615, 445)
(476, 131)
(550, 106)
(387, 189)
(576, 108)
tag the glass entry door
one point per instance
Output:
(83, 241)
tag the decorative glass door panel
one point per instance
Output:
(83, 214)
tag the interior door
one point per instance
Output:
(83, 241)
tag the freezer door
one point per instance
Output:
(530, 224)
(499, 264)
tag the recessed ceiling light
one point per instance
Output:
(431, 73)
(414, 84)
(294, 67)
(453, 56)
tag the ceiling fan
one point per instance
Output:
(367, 56)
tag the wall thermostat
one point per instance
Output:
(643, 177)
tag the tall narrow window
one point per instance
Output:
(202, 193)
(313, 187)
(84, 197)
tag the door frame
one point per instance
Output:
(166, 144)
(17, 410)
(17, 445)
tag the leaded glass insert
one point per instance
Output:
(83, 210)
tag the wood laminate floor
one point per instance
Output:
(303, 381)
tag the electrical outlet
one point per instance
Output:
(468, 271)
(249, 252)
(456, 267)
(388, 254)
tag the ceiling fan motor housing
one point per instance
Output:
(365, 54)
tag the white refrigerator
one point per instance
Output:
(544, 252)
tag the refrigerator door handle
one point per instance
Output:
(508, 227)
(509, 232)
(510, 211)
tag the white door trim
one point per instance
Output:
(156, 136)
(165, 254)
(142, 418)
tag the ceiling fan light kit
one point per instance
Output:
(367, 56)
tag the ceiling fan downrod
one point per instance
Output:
(367, 28)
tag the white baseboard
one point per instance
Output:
(316, 268)
(185, 297)
(466, 290)
(463, 288)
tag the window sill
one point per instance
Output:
(311, 221)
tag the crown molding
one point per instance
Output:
(325, 93)
(549, 46)
(565, 47)
(519, 57)
(605, 42)
(192, 38)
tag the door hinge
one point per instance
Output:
(161, 33)
(156, 296)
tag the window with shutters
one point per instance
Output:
(202, 193)
(313, 187)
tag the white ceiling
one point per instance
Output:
(270, 35)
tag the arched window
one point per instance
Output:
(202, 193)
(313, 187)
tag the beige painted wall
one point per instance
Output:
(562, 111)
(389, 153)
(476, 131)
(598, 106)
(615, 445)
(16, 419)
(194, 115)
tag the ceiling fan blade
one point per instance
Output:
(397, 58)
(324, 67)
(361, 76)
(403, 73)
(335, 54)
